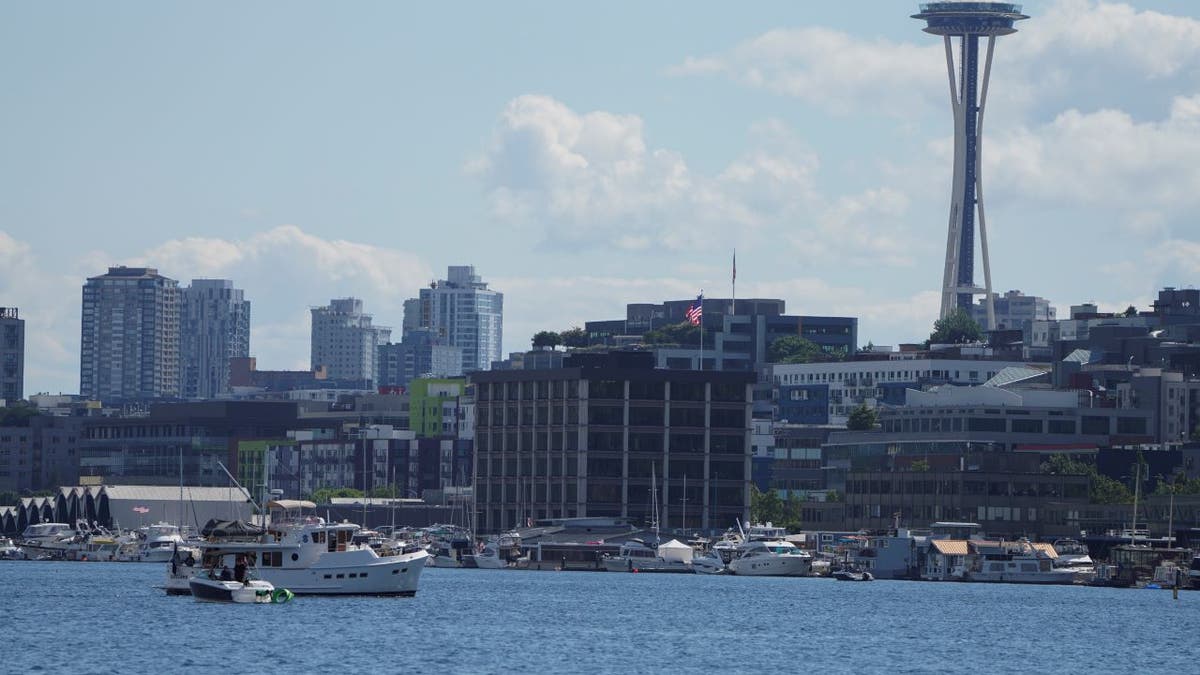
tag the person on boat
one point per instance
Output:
(226, 574)
(239, 570)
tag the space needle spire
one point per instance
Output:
(968, 21)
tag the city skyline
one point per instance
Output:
(320, 153)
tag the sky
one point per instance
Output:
(581, 156)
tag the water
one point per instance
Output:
(109, 618)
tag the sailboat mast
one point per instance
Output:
(1137, 488)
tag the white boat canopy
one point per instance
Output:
(290, 504)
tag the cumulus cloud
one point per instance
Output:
(1067, 46)
(1090, 157)
(830, 69)
(592, 180)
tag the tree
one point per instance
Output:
(384, 492)
(765, 507)
(324, 495)
(955, 328)
(833, 496)
(546, 338)
(1102, 489)
(919, 465)
(9, 498)
(861, 418)
(574, 337)
(1131, 311)
(794, 349)
(17, 414)
(683, 334)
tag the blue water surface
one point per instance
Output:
(113, 618)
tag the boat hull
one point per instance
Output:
(1048, 578)
(761, 566)
(393, 575)
(215, 590)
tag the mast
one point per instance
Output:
(1137, 488)
(683, 518)
(654, 502)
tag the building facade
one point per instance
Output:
(826, 393)
(1014, 311)
(420, 354)
(465, 313)
(607, 435)
(41, 454)
(129, 346)
(214, 328)
(12, 354)
(345, 342)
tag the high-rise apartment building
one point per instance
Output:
(345, 342)
(215, 327)
(465, 313)
(12, 354)
(130, 335)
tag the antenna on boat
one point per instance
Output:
(249, 497)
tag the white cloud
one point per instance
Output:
(830, 69)
(1103, 157)
(1068, 45)
(592, 181)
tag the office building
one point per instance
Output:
(1014, 311)
(608, 434)
(129, 348)
(214, 328)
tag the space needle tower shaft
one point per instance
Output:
(967, 22)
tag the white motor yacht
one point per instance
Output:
(9, 550)
(1073, 555)
(307, 555)
(1017, 562)
(160, 542)
(492, 557)
(52, 538)
(709, 562)
(771, 558)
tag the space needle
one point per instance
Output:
(968, 21)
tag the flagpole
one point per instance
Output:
(701, 325)
(733, 284)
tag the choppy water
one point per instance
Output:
(110, 618)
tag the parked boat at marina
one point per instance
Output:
(47, 537)
(709, 562)
(1018, 562)
(636, 556)
(775, 558)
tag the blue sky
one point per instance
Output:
(581, 157)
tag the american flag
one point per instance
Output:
(696, 311)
